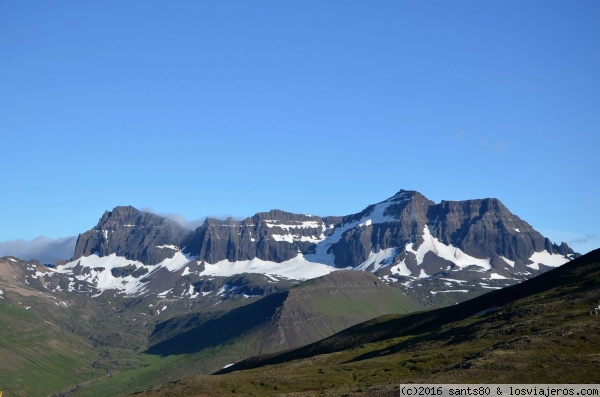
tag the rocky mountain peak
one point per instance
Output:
(133, 234)
(120, 213)
(406, 236)
(404, 194)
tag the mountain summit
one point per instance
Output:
(407, 239)
(130, 233)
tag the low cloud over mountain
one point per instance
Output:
(45, 249)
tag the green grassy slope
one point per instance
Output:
(539, 331)
(303, 314)
(203, 343)
(37, 356)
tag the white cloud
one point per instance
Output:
(178, 218)
(44, 249)
(190, 224)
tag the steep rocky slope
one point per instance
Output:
(445, 253)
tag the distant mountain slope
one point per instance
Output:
(454, 247)
(203, 342)
(539, 331)
(295, 317)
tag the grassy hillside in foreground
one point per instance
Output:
(539, 331)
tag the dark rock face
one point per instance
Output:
(482, 228)
(133, 234)
(407, 216)
(271, 236)
(129, 270)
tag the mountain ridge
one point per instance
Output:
(141, 279)
(407, 240)
(402, 239)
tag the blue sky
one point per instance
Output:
(323, 107)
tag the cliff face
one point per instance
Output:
(485, 228)
(406, 235)
(271, 236)
(130, 233)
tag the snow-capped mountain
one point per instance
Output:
(406, 239)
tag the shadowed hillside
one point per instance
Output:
(303, 314)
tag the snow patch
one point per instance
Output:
(448, 252)
(323, 254)
(401, 269)
(99, 273)
(546, 258)
(451, 290)
(510, 263)
(285, 237)
(191, 292)
(178, 261)
(298, 268)
(290, 238)
(379, 259)
(299, 225)
(223, 289)
(453, 280)
(171, 247)
(271, 277)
